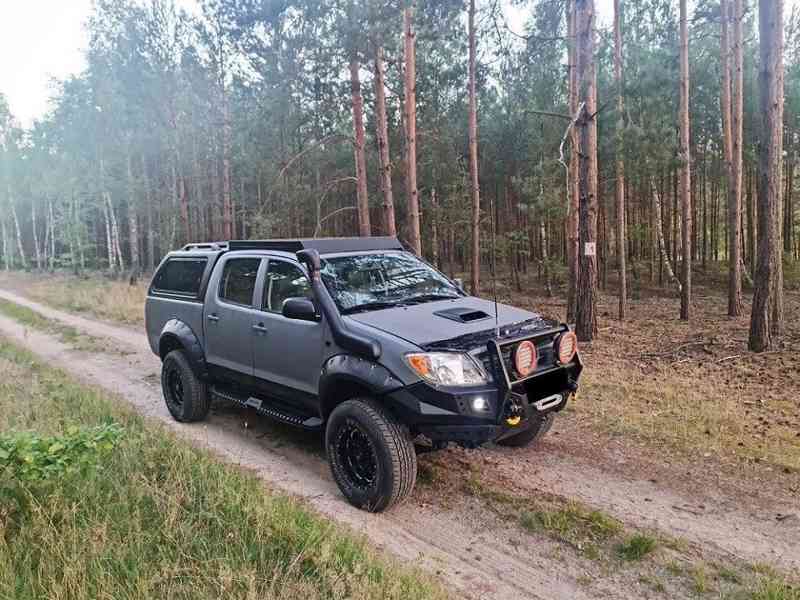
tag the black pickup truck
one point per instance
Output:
(362, 340)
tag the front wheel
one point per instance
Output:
(539, 425)
(371, 455)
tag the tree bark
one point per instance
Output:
(686, 169)
(18, 231)
(410, 85)
(435, 227)
(572, 175)
(360, 157)
(473, 158)
(37, 252)
(770, 83)
(586, 305)
(735, 167)
(133, 223)
(620, 166)
(227, 205)
(662, 247)
(382, 126)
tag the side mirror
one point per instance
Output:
(459, 282)
(302, 309)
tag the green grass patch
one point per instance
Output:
(67, 334)
(637, 546)
(564, 520)
(150, 516)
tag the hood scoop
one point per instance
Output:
(461, 314)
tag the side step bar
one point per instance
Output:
(269, 409)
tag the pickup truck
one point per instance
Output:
(360, 340)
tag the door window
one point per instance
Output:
(239, 280)
(284, 280)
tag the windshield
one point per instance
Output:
(383, 280)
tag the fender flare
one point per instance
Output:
(345, 371)
(177, 334)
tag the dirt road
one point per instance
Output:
(478, 554)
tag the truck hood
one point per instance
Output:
(455, 324)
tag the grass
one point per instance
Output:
(566, 521)
(96, 295)
(158, 518)
(636, 546)
(69, 335)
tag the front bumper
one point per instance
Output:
(446, 414)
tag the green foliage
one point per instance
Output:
(28, 457)
(637, 546)
(146, 515)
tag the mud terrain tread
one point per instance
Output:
(401, 449)
(197, 402)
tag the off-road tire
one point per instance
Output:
(538, 426)
(392, 453)
(194, 403)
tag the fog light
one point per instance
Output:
(480, 404)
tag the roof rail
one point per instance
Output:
(206, 246)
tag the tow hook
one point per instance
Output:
(515, 411)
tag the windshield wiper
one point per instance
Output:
(378, 305)
(432, 297)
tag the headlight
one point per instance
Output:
(447, 368)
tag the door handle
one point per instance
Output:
(214, 318)
(259, 328)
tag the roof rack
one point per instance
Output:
(206, 246)
(321, 245)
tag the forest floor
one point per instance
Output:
(675, 473)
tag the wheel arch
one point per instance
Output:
(178, 335)
(347, 376)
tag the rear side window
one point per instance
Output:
(180, 276)
(239, 280)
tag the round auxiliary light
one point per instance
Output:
(525, 358)
(567, 347)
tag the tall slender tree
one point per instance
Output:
(357, 101)
(686, 168)
(620, 165)
(770, 85)
(382, 133)
(586, 305)
(475, 193)
(410, 85)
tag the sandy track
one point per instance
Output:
(441, 539)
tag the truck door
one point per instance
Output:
(288, 352)
(229, 314)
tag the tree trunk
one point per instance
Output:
(227, 207)
(360, 157)
(586, 305)
(410, 86)
(150, 251)
(686, 169)
(434, 227)
(620, 166)
(382, 126)
(37, 252)
(572, 178)
(6, 245)
(735, 168)
(18, 231)
(133, 223)
(473, 158)
(662, 247)
(770, 83)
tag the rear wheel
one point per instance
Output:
(371, 455)
(185, 394)
(538, 426)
